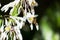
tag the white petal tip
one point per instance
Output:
(2, 9)
(37, 27)
(31, 26)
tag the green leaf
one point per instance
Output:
(46, 28)
(15, 11)
(58, 18)
(55, 36)
(1, 22)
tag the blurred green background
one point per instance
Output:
(48, 19)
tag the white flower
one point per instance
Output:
(11, 4)
(20, 21)
(30, 17)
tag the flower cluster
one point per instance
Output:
(14, 23)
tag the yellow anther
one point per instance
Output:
(20, 6)
(31, 19)
(33, 3)
(8, 28)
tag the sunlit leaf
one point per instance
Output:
(55, 36)
(15, 10)
(1, 22)
(58, 18)
(46, 28)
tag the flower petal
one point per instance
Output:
(11, 4)
(37, 27)
(31, 26)
(4, 8)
